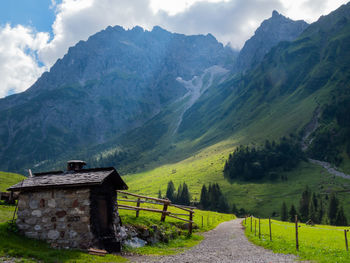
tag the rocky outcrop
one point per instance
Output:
(272, 31)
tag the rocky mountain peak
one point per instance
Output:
(275, 13)
(271, 31)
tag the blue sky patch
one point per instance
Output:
(33, 13)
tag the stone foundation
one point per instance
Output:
(59, 216)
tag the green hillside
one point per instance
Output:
(8, 179)
(261, 197)
(276, 98)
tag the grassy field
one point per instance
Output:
(260, 197)
(8, 179)
(320, 243)
(203, 221)
(28, 250)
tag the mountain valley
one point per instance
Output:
(163, 106)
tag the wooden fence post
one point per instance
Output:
(296, 233)
(190, 223)
(259, 228)
(138, 205)
(202, 221)
(346, 240)
(255, 228)
(270, 228)
(165, 208)
(251, 224)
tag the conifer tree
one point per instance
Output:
(341, 218)
(325, 219)
(284, 212)
(320, 211)
(222, 205)
(204, 197)
(234, 210)
(185, 195)
(170, 191)
(304, 204)
(315, 201)
(333, 209)
(178, 195)
(292, 213)
(312, 212)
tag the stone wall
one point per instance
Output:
(60, 217)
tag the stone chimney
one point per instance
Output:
(75, 165)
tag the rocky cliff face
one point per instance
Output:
(272, 31)
(102, 88)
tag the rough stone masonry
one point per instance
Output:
(59, 216)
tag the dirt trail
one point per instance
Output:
(226, 243)
(310, 128)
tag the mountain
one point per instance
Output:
(280, 95)
(299, 84)
(137, 99)
(102, 88)
(272, 31)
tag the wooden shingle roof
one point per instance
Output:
(60, 179)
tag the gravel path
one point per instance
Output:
(226, 243)
(329, 168)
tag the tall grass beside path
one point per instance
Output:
(320, 243)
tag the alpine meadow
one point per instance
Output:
(263, 131)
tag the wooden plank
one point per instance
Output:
(185, 209)
(186, 220)
(144, 209)
(177, 214)
(130, 201)
(142, 202)
(124, 208)
(187, 206)
(98, 252)
(145, 197)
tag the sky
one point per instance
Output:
(35, 33)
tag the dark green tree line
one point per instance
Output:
(213, 199)
(250, 163)
(318, 210)
(181, 196)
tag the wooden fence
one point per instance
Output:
(249, 221)
(9, 197)
(164, 202)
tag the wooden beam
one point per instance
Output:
(142, 208)
(145, 197)
(187, 206)
(186, 220)
(177, 214)
(180, 207)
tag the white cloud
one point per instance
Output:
(229, 20)
(19, 67)
(77, 20)
(309, 10)
(173, 7)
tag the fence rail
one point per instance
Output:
(158, 201)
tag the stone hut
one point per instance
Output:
(76, 208)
